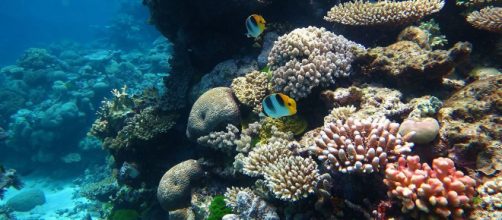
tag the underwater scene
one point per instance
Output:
(250, 109)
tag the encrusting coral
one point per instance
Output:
(309, 57)
(489, 18)
(369, 13)
(251, 89)
(360, 145)
(292, 178)
(441, 190)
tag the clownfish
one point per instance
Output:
(278, 105)
(255, 24)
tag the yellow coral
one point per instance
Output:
(362, 12)
(489, 18)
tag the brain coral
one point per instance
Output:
(292, 178)
(360, 145)
(174, 188)
(309, 57)
(251, 89)
(215, 108)
(391, 12)
(440, 190)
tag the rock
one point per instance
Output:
(175, 186)
(268, 42)
(426, 129)
(416, 35)
(214, 109)
(26, 200)
(471, 124)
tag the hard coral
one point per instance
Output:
(251, 89)
(391, 13)
(309, 57)
(221, 140)
(489, 18)
(292, 178)
(360, 145)
(405, 63)
(441, 190)
(470, 124)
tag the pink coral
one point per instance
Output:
(442, 190)
(360, 145)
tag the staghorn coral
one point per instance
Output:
(251, 89)
(438, 191)
(360, 145)
(489, 18)
(406, 64)
(292, 178)
(248, 138)
(221, 140)
(309, 57)
(390, 13)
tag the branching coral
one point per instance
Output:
(248, 205)
(248, 137)
(390, 12)
(231, 195)
(292, 178)
(440, 190)
(262, 156)
(309, 57)
(251, 89)
(360, 145)
(489, 18)
(490, 200)
(221, 140)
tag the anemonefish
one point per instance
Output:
(278, 105)
(255, 25)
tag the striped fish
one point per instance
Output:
(255, 25)
(278, 105)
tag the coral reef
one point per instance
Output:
(251, 89)
(470, 124)
(248, 205)
(8, 178)
(174, 188)
(309, 57)
(435, 37)
(369, 100)
(425, 129)
(441, 190)
(425, 106)
(490, 194)
(221, 140)
(218, 208)
(360, 145)
(215, 108)
(405, 62)
(391, 13)
(489, 18)
(292, 178)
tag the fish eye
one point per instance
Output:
(289, 104)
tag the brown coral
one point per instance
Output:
(251, 89)
(389, 13)
(489, 18)
(471, 124)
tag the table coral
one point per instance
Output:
(441, 190)
(309, 57)
(471, 124)
(405, 63)
(360, 145)
(489, 18)
(251, 89)
(391, 13)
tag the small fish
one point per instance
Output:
(255, 25)
(278, 105)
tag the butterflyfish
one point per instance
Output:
(255, 24)
(278, 105)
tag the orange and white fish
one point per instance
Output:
(255, 24)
